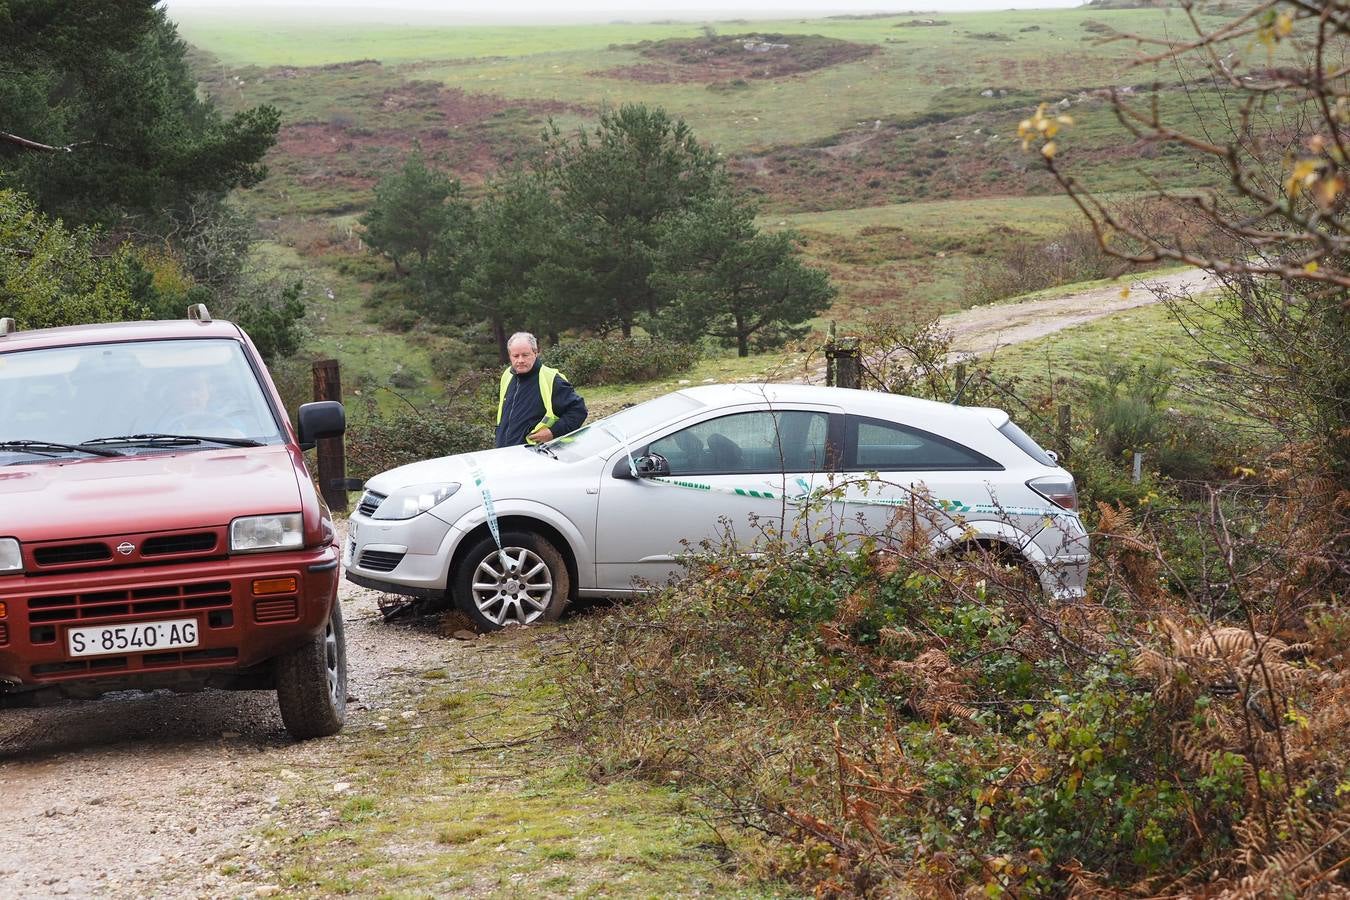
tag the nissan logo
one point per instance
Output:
(125, 548)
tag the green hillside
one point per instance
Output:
(889, 142)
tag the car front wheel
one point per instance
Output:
(312, 683)
(523, 582)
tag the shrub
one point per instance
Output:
(382, 440)
(594, 361)
(892, 724)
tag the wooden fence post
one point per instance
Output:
(843, 365)
(332, 462)
(1062, 438)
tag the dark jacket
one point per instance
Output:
(524, 407)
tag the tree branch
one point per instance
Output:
(34, 145)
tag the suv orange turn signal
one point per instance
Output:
(265, 586)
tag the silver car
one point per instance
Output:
(512, 535)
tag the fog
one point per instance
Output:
(537, 11)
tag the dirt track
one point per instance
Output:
(984, 329)
(164, 795)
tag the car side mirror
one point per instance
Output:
(318, 420)
(652, 466)
(649, 466)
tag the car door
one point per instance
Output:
(733, 477)
(899, 477)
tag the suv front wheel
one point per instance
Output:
(312, 683)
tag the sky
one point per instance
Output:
(551, 11)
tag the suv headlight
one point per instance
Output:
(11, 560)
(414, 500)
(256, 533)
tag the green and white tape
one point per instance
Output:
(476, 473)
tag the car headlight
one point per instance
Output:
(414, 500)
(256, 533)
(11, 560)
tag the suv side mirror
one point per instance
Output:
(321, 419)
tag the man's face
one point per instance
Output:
(522, 357)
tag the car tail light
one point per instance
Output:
(1058, 490)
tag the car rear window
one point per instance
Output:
(1026, 444)
(877, 445)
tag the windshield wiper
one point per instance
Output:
(544, 448)
(52, 448)
(158, 439)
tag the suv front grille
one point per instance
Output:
(137, 601)
(370, 501)
(381, 560)
(69, 554)
(179, 543)
(127, 550)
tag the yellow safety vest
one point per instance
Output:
(546, 376)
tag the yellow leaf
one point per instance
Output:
(1284, 24)
(1328, 189)
(1311, 266)
(1048, 151)
(1243, 471)
(1125, 292)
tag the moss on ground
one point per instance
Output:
(462, 786)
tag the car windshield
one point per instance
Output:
(625, 425)
(133, 396)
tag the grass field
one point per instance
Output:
(1035, 53)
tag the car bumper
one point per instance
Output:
(411, 556)
(1064, 572)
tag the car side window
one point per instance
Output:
(748, 443)
(877, 445)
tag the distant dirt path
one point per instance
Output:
(983, 329)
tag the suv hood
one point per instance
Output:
(197, 489)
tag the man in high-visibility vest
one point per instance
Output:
(535, 403)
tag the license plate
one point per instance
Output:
(141, 637)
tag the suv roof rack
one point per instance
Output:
(197, 312)
(8, 326)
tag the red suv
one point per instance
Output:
(158, 528)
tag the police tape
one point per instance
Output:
(480, 482)
(808, 496)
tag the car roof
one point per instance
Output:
(865, 403)
(75, 335)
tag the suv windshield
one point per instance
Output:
(132, 395)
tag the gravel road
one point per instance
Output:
(151, 795)
(983, 329)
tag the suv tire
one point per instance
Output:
(312, 682)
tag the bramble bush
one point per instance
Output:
(886, 722)
(381, 440)
(595, 361)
